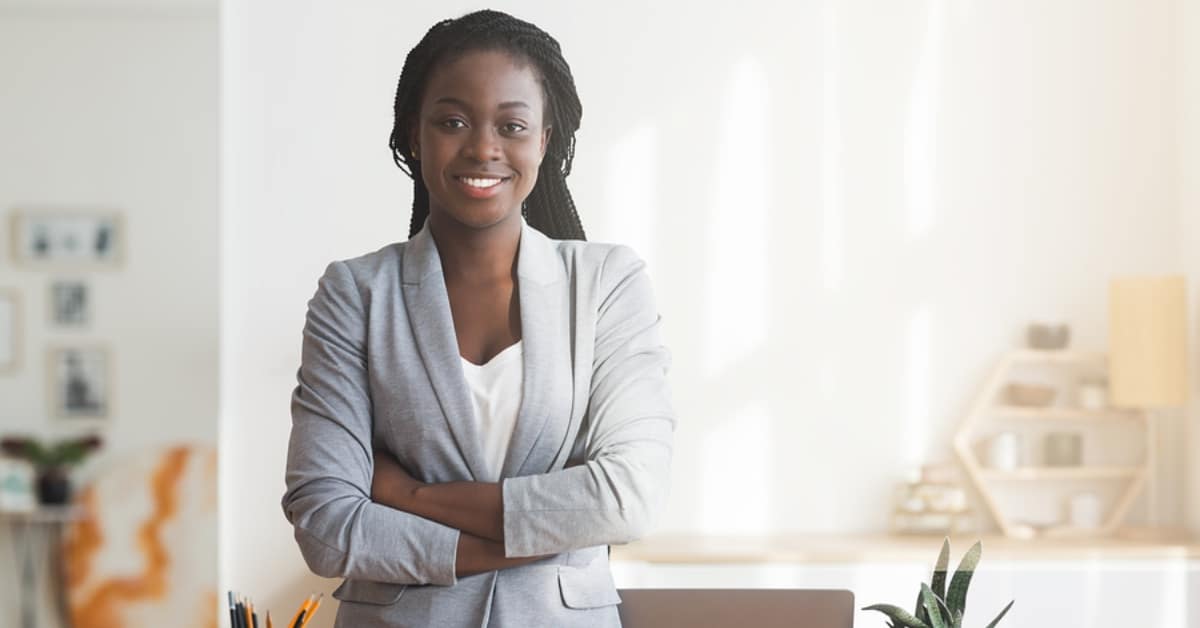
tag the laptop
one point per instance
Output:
(736, 608)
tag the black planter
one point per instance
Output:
(54, 487)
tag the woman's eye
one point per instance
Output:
(454, 123)
(513, 127)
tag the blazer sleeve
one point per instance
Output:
(340, 531)
(615, 495)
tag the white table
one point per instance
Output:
(37, 539)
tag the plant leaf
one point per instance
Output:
(931, 606)
(938, 584)
(947, 616)
(898, 615)
(920, 612)
(1000, 616)
(956, 597)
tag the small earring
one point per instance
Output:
(414, 151)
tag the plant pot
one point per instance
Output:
(54, 487)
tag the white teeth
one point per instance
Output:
(480, 183)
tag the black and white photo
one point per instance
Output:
(80, 380)
(69, 303)
(67, 238)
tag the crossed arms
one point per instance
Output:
(475, 509)
(413, 533)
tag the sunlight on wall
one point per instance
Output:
(632, 204)
(916, 430)
(920, 184)
(737, 479)
(920, 152)
(737, 299)
(831, 153)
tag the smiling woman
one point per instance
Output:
(481, 137)
(482, 409)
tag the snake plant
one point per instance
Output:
(938, 607)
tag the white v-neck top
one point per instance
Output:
(496, 395)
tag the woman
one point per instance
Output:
(483, 409)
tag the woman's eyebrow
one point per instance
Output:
(450, 100)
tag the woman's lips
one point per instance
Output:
(481, 187)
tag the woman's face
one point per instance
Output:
(480, 138)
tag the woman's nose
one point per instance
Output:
(483, 145)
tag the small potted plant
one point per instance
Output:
(50, 462)
(937, 606)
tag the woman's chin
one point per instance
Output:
(482, 217)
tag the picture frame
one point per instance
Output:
(68, 238)
(10, 331)
(79, 381)
(69, 303)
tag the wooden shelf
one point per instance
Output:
(1061, 473)
(1066, 414)
(1057, 356)
(989, 408)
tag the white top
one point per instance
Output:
(496, 396)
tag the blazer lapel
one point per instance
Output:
(537, 441)
(548, 377)
(428, 306)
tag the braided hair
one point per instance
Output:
(549, 207)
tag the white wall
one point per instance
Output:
(850, 208)
(1187, 39)
(88, 122)
(117, 110)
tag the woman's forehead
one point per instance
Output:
(485, 78)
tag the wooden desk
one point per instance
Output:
(799, 548)
(1139, 580)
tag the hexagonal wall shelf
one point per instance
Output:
(992, 407)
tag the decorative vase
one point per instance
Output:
(54, 486)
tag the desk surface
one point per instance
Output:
(800, 548)
(42, 514)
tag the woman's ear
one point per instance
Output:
(413, 147)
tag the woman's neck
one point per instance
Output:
(477, 255)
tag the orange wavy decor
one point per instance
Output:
(144, 554)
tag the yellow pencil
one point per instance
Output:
(312, 611)
(269, 625)
(296, 617)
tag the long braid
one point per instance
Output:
(549, 207)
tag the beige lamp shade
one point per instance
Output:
(1147, 337)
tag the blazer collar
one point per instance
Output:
(537, 259)
(548, 359)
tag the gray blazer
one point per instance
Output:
(587, 466)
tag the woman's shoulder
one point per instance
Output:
(378, 267)
(597, 254)
(382, 260)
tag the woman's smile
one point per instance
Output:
(481, 186)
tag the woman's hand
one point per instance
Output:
(391, 485)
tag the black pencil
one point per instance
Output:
(232, 612)
(300, 619)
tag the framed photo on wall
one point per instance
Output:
(80, 383)
(10, 331)
(69, 303)
(68, 238)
